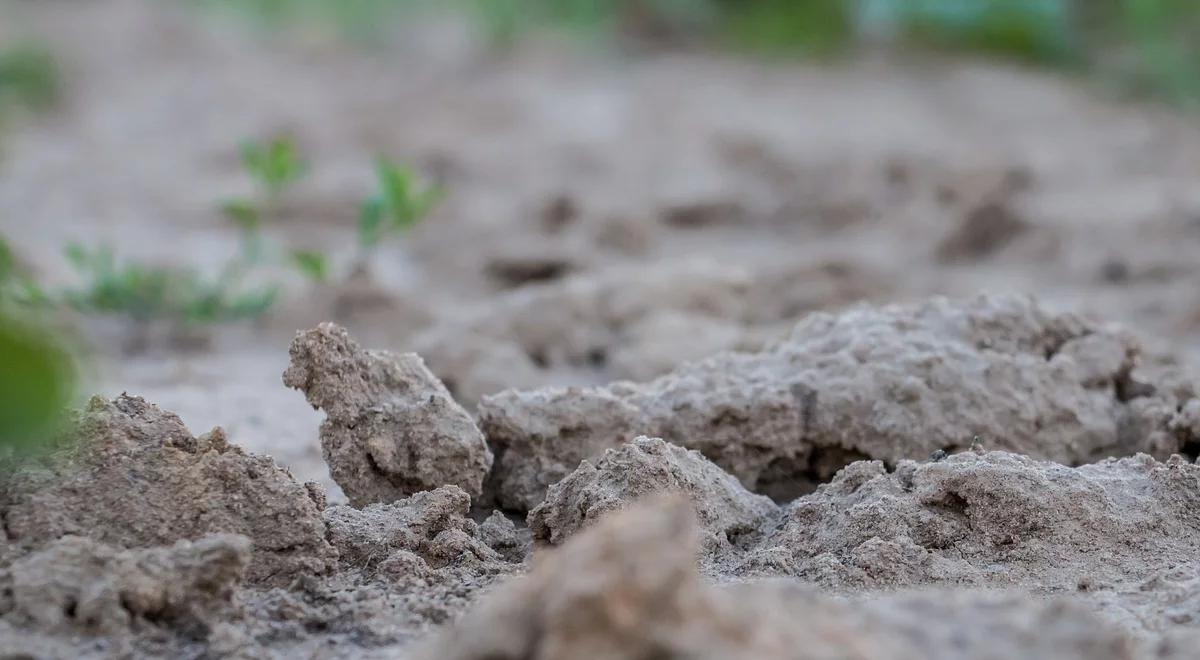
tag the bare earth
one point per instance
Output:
(707, 282)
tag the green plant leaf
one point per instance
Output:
(77, 254)
(8, 263)
(370, 222)
(274, 165)
(252, 304)
(29, 77)
(310, 263)
(244, 214)
(398, 206)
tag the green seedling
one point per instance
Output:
(17, 285)
(399, 204)
(275, 166)
(311, 264)
(147, 293)
(28, 78)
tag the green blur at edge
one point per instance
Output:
(37, 384)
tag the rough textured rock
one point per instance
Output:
(728, 514)
(991, 519)
(628, 323)
(391, 428)
(888, 383)
(628, 588)
(136, 478)
(78, 584)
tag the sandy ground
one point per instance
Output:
(880, 180)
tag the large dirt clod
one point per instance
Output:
(728, 513)
(77, 583)
(391, 428)
(887, 383)
(136, 478)
(990, 519)
(628, 588)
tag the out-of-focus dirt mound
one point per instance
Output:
(873, 382)
(630, 323)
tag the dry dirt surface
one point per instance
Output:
(699, 358)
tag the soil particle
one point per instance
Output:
(391, 428)
(887, 383)
(628, 588)
(727, 512)
(134, 477)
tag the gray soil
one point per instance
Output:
(700, 358)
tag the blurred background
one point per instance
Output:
(539, 192)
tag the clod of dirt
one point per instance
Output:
(433, 526)
(985, 229)
(873, 382)
(991, 519)
(391, 428)
(137, 478)
(629, 588)
(728, 513)
(77, 583)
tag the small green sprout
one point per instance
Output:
(28, 78)
(146, 293)
(310, 263)
(16, 285)
(275, 165)
(399, 204)
(243, 214)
